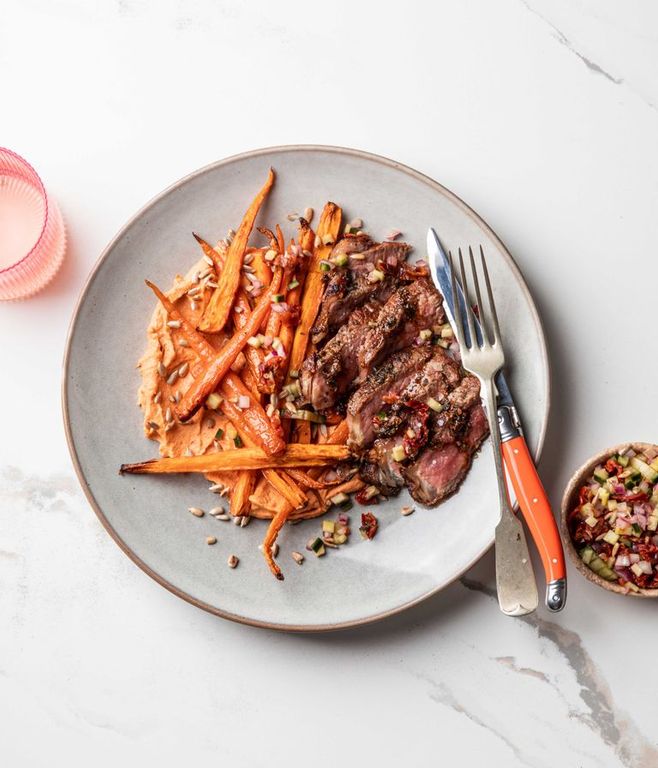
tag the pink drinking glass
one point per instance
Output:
(32, 233)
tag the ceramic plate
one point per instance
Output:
(411, 557)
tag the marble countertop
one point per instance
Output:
(541, 115)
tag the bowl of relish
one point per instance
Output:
(610, 519)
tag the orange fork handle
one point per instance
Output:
(534, 504)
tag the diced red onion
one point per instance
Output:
(368, 266)
(619, 489)
(622, 561)
(635, 558)
(392, 261)
(280, 307)
(244, 401)
(420, 263)
(645, 565)
(651, 453)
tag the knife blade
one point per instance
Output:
(520, 467)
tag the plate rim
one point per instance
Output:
(295, 148)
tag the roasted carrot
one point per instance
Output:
(265, 434)
(306, 481)
(278, 479)
(279, 239)
(286, 486)
(278, 521)
(243, 458)
(219, 307)
(328, 229)
(196, 395)
(303, 432)
(253, 419)
(241, 492)
(261, 267)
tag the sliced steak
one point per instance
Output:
(439, 471)
(409, 310)
(350, 287)
(330, 373)
(389, 379)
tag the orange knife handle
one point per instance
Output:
(539, 518)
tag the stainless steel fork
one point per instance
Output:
(483, 356)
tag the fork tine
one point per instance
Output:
(459, 325)
(478, 302)
(492, 305)
(469, 311)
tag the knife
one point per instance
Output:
(519, 464)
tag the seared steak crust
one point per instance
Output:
(409, 310)
(350, 287)
(328, 374)
(389, 379)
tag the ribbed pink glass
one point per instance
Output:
(32, 233)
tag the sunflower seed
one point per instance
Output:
(168, 416)
(172, 399)
(205, 273)
(169, 426)
(196, 278)
(194, 291)
(231, 233)
(196, 511)
(157, 397)
(308, 214)
(393, 234)
(248, 259)
(183, 369)
(244, 521)
(356, 223)
(211, 284)
(232, 561)
(173, 324)
(208, 260)
(248, 269)
(211, 540)
(306, 254)
(153, 425)
(318, 242)
(177, 396)
(292, 216)
(162, 370)
(298, 557)
(172, 377)
(193, 306)
(216, 488)
(407, 511)
(183, 343)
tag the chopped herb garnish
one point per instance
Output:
(219, 434)
(237, 441)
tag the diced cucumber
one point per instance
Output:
(591, 521)
(612, 505)
(654, 464)
(644, 469)
(596, 564)
(637, 531)
(652, 523)
(604, 495)
(632, 480)
(586, 555)
(600, 475)
(611, 537)
(623, 460)
(586, 510)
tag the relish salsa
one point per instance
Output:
(614, 523)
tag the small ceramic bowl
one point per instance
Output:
(570, 499)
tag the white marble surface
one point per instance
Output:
(543, 116)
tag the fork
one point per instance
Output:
(483, 356)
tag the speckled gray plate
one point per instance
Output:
(411, 557)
